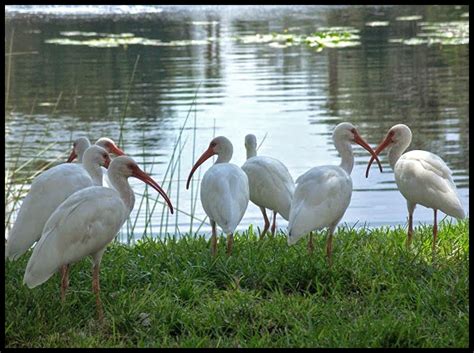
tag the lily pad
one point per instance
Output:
(110, 40)
(445, 33)
(78, 33)
(335, 37)
(204, 23)
(409, 18)
(377, 24)
(415, 41)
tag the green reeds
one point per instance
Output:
(13, 175)
(9, 70)
(147, 204)
(127, 98)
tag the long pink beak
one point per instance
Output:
(378, 150)
(360, 141)
(140, 174)
(72, 156)
(206, 155)
(116, 150)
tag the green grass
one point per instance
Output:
(173, 294)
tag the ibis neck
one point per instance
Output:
(80, 151)
(94, 171)
(223, 158)
(120, 183)
(347, 157)
(395, 153)
(251, 152)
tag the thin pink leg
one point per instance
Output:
(230, 243)
(64, 281)
(310, 243)
(213, 239)
(329, 248)
(435, 232)
(410, 228)
(96, 289)
(274, 223)
(267, 222)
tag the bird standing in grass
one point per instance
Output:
(271, 185)
(48, 191)
(85, 223)
(422, 177)
(224, 191)
(323, 193)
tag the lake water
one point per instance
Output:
(406, 64)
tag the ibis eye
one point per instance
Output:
(213, 144)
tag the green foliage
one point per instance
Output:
(330, 37)
(171, 293)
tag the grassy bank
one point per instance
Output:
(173, 294)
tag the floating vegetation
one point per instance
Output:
(204, 23)
(377, 24)
(445, 33)
(335, 37)
(331, 37)
(111, 40)
(409, 18)
(95, 34)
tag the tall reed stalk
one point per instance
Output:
(9, 70)
(127, 98)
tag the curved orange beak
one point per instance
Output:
(360, 141)
(387, 141)
(206, 155)
(116, 150)
(140, 174)
(72, 156)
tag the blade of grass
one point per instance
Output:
(174, 150)
(127, 98)
(261, 142)
(7, 93)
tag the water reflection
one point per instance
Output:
(294, 95)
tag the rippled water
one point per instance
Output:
(294, 95)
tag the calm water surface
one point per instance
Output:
(293, 95)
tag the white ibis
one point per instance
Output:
(323, 194)
(80, 145)
(422, 177)
(224, 191)
(271, 185)
(85, 223)
(47, 192)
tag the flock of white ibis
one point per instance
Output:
(70, 215)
